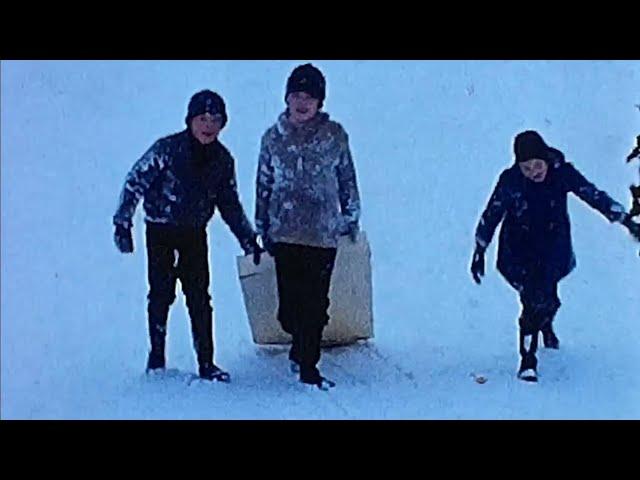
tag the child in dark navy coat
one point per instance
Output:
(535, 251)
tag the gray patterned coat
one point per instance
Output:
(307, 193)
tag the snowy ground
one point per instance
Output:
(429, 140)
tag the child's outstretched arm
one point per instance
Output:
(594, 197)
(599, 200)
(492, 214)
(491, 217)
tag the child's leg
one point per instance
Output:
(635, 201)
(289, 275)
(528, 339)
(540, 302)
(548, 310)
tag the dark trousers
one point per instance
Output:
(179, 253)
(304, 278)
(635, 201)
(540, 302)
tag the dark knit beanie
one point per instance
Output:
(206, 101)
(307, 78)
(528, 145)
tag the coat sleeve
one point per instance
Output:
(230, 207)
(493, 213)
(264, 186)
(590, 194)
(137, 183)
(347, 183)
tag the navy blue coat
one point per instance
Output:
(182, 188)
(536, 234)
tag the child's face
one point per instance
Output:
(302, 107)
(206, 127)
(534, 169)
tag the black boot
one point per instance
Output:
(155, 361)
(529, 362)
(210, 371)
(157, 336)
(528, 368)
(549, 338)
(294, 357)
(311, 376)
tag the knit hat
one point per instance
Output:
(206, 101)
(307, 78)
(528, 145)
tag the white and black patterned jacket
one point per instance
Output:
(307, 192)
